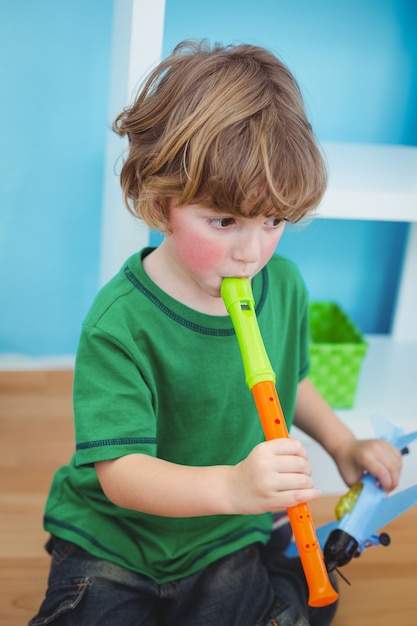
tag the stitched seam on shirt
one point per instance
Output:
(82, 533)
(115, 442)
(181, 320)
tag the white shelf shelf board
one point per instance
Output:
(370, 182)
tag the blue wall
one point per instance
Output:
(356, 63)
(54, 75)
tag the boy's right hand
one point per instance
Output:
(275, 475)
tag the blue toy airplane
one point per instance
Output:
(364, 510)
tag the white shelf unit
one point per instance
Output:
(377, 182)
(370, 182)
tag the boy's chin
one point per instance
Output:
(214, 292)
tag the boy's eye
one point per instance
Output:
(274, 222)
(222, 222)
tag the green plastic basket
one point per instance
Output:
(337, 348)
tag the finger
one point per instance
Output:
(385, 465)
(384, 478)
(292, 481)
(292, 464)
(287, 446)
(387, 478)
(298, 496)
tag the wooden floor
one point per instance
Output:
(36, 436)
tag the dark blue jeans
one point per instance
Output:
(252, 587)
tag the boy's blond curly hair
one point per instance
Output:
(224, 127)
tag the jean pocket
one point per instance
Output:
(60, 598)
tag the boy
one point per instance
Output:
(163, 516)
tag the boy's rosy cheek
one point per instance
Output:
(201, 256)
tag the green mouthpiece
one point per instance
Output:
(238, 298)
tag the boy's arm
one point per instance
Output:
(275, 475)
(352, 456)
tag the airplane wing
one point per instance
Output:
(393, 506)
(395, 435)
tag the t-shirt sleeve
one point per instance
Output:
(113, 406)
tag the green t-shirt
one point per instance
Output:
(153, 376)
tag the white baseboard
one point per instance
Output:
(23, 362)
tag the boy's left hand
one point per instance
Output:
(375, 456)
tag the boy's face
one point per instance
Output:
(206, 246)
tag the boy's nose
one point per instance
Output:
(247, 247)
